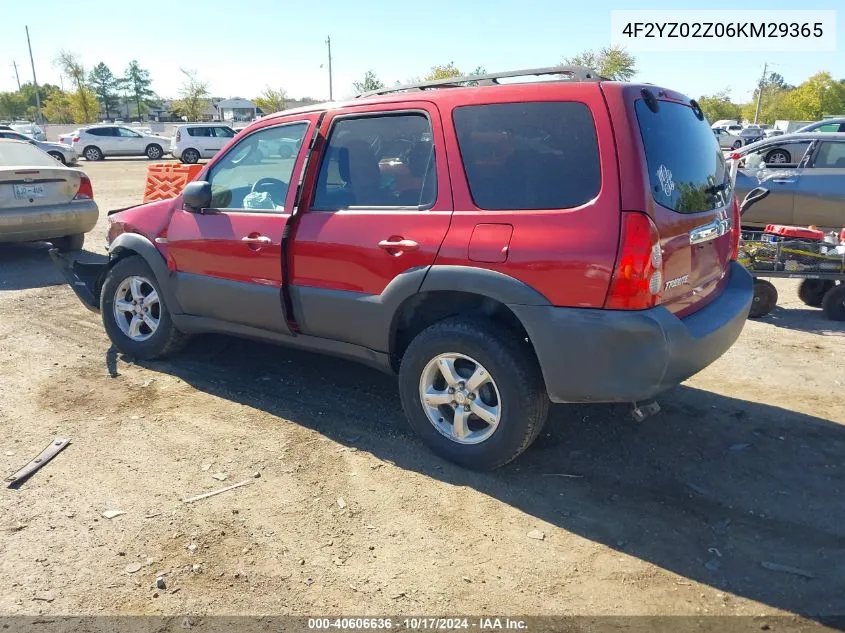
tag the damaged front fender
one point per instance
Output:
(86, 279)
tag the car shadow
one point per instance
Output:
(739, 495)
(803, 320)
(24, 266)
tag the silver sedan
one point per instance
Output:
(41, 199)
(65, 154)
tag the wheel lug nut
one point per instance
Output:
(466, 407)
(471, 396)
(460, 385)
(451, 390)
(454, 404)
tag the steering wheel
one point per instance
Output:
(277, 189)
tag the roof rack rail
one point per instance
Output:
(576, 73)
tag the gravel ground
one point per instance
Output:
(727, 503)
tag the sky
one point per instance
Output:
(242, 47)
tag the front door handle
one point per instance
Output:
(258, 239)
(783, 181)
(401, 245)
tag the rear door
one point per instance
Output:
(228, 259)
(377, 206)
(820, 195)
(689, 198)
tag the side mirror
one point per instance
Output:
(753, 197)
(197, 195)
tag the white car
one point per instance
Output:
(29, 129)
(98, 141)
(193, 141)
(727, 140)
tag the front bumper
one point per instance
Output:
(589, 355)
(85, 279)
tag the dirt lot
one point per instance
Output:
(682, 514)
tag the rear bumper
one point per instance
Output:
(589, 355)
(85, 280)
(44, 223)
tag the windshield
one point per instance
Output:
(17, 154)
(686, 168)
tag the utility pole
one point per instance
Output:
(760, 91)
(34, 81)
(17, 76)
(329, 44)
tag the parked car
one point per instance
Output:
(98, 141)
(497, 266)
(751, 134)
(726, 139)
(724, 123)
(41, 199)
(29, 129)
(193, 141)
(836, 124)
(806, 189)
(65, 154)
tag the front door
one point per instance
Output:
(228, 259)
(129, 142)
(820, 197)
(376, 208)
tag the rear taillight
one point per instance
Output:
(178, 136)
(638, 277)
(736, 230)
(86, 191)
(75, 139)
(735, 156)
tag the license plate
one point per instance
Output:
(29, 191)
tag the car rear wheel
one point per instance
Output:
(134, 314)
(58, 156)
(473, 392)
(834, 303)
(154, 152)
(765, 298)
(92, 153)
(778, 157)
(70, 242)
(737, 144)
(190, 156)
(812, 291)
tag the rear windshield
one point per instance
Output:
(686, 168)
(18, 154)
(536, 155)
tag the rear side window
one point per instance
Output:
(537, 155)
(198, 131)
(102, 131)
(686, 168)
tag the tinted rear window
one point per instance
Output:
(686, 167)
(537, 155)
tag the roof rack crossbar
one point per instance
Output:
(576, 73)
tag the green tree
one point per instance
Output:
(368, 83)
(614, 63)
(719, 106)
(136, 82)
(272, 100)
(817, 96)
(85, 103)
(12, 105)
(194, 96)
(443, 72)
(105, 85)
(58, 108)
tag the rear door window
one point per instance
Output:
(533, 155)
(686, 169)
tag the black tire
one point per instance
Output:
(834, 303)
(154, 151)
(812, 291)
(69, 242)
(765, 298)
(58, 156)
(770, 157)
(737, 144)
(92, 152)
(165, 340)
(512, 365)
(190, 156)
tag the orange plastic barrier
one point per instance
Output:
(166, 180)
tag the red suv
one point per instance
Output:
(499, 245)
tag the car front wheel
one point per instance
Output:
(154, 152)
(134, 313)
(473, 392)
(92, 153)
(190, 156)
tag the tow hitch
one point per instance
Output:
(641, 411)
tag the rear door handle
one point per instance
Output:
(399, 245)
(259, 239)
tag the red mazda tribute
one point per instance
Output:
(499, 245)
